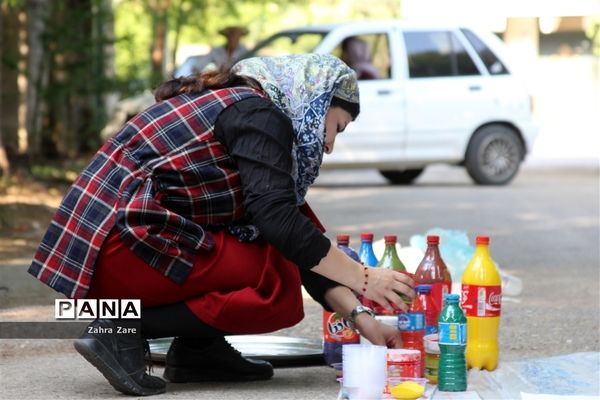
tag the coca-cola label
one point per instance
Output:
(337, 329)
(481, 301)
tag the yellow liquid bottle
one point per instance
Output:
(481, 302)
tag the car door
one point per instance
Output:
(447, 94)
(377, 136)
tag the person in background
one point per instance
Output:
(356, 53)
(197, 208)
(223, 57)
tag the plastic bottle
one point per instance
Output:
(433, 271)
(481, 302)
(411, 325)
(390, 260)
(365, 252)
(336, 330)
(432, 311)
(343, 243)
(452, 373)
(336, 333)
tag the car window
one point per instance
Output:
(288, 43)
(368, 55)
(437, 54)
(491, 61)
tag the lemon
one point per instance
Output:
(407, 391)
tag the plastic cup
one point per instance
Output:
(364, 370)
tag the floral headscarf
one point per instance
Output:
(302, 86)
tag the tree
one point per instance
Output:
(4, 164)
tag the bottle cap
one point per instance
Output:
(433, 239)
(423, 288)
(482, 240)
(366, 236)
(390, 239)
(451, 298)
(342, 237)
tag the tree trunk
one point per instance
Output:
(179, 19)
(37, 74)
(4, 165)
(159, 10)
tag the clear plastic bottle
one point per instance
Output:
(433, 271)
(481, 302)
(452, 373)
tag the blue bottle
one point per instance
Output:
(343, 243)
(365, 252)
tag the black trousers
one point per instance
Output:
(175, 320)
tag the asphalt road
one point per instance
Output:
(544, 229)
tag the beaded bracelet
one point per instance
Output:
(366, 271)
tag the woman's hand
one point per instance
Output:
(384, 286)
(377, 332)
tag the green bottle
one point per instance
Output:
(452, 373)
(390, 260)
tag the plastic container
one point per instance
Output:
(432, 312)
(402, 363)
(365, 252)
(407, 395)
(481, 302)
(336, 330)
(432, 358)
(433, 271)
(411, 325)
(390, 259)
(343, 243)
(452, 372)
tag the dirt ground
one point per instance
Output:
(26, 208)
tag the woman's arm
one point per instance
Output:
(379, 284)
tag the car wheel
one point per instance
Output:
(403, 177)
(494, 155)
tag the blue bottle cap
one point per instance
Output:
(451, 298)
(423, 288)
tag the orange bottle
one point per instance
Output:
(481, 301)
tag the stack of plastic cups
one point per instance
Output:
(364, 371)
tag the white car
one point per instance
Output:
(443, 94)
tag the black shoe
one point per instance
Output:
(119, 356)
(217, 361)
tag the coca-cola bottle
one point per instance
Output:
(433, 271)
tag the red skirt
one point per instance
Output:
(241, 288)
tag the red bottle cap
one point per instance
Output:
(433, 239)
(342, 237)
(368, 236)
(390, 239)
(482, 240)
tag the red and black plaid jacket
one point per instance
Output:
(158, 181)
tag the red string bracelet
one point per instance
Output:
(366, 271)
